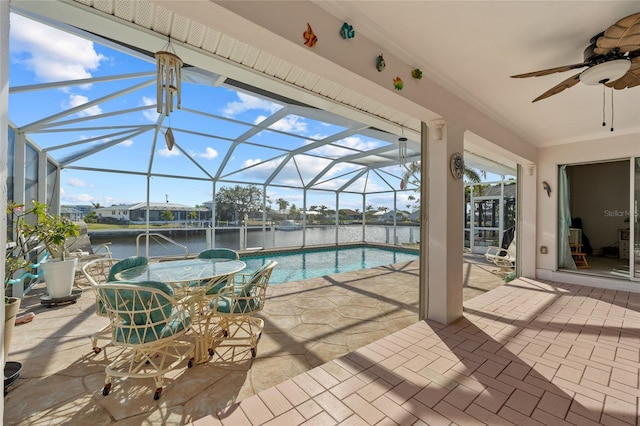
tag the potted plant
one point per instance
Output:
(15, 261)
(36, 226)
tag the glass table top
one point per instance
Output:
(177, 271)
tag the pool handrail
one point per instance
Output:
(164, 237)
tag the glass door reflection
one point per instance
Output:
(634, 224)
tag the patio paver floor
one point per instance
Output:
(526, 352)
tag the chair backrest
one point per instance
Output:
(219, 253)
(250, 297)
(258, 281)
(142, 312)
(81, 242)
(511, 250)
(97, 271)
(128, 263)
(508, 236)
(575, 236)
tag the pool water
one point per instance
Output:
(294, 266)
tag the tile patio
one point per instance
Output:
(527, 352)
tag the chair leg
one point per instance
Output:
(159, 380)
(151, 362)
(107, 386)
(103, 334)
(241, 331)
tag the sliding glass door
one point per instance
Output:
(634, 223)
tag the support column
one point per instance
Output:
(43, 183)
(526, 238)
(304, 217)
(445, 205)
(4, 143)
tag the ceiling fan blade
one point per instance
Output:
(551, 70)
(566, 84)
(630, 79)
(624, 35)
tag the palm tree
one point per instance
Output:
(323, 210)
(412, 175)
(282, 204)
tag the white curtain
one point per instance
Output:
(565, 260)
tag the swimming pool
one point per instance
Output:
(300, 265)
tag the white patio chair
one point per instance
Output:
(147, 322)
(233, 309)
(99, 272)
(501, 257)
(81, 248)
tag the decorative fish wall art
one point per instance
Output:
(309, 36)
(380, 64)
(346, 31)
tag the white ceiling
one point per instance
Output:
(468, 47)
(472, 47)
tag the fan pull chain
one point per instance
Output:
(604, 98)
(612, 109)
(603, 103)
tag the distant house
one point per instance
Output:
(84, 209)
(119, 213)
(71, 213)
(349, 214)
(390, 214)
(138, 212)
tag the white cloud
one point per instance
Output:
(76, 198)
(150, 114)
(351, 142)
(358, 143)
(289, 173)
(164, 152)
(316, 137)
(291, 123)
(51, 54)
(86, 199)
(250, 162)
(77, 100)
(126, 143)
(209, 153)
(247, 103)
(76, 183)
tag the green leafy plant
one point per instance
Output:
(510, 277)
(35, 231)
(50, 230)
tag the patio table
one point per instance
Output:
(192, 278)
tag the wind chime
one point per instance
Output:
(168, 85)
(402, 158)
(402, 151)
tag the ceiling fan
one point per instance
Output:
(612, 58)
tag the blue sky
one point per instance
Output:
(41, 54)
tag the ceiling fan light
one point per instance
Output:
(605, 72)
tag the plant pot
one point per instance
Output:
(58, 276)
(10, 312)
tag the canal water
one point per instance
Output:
(125, 245)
